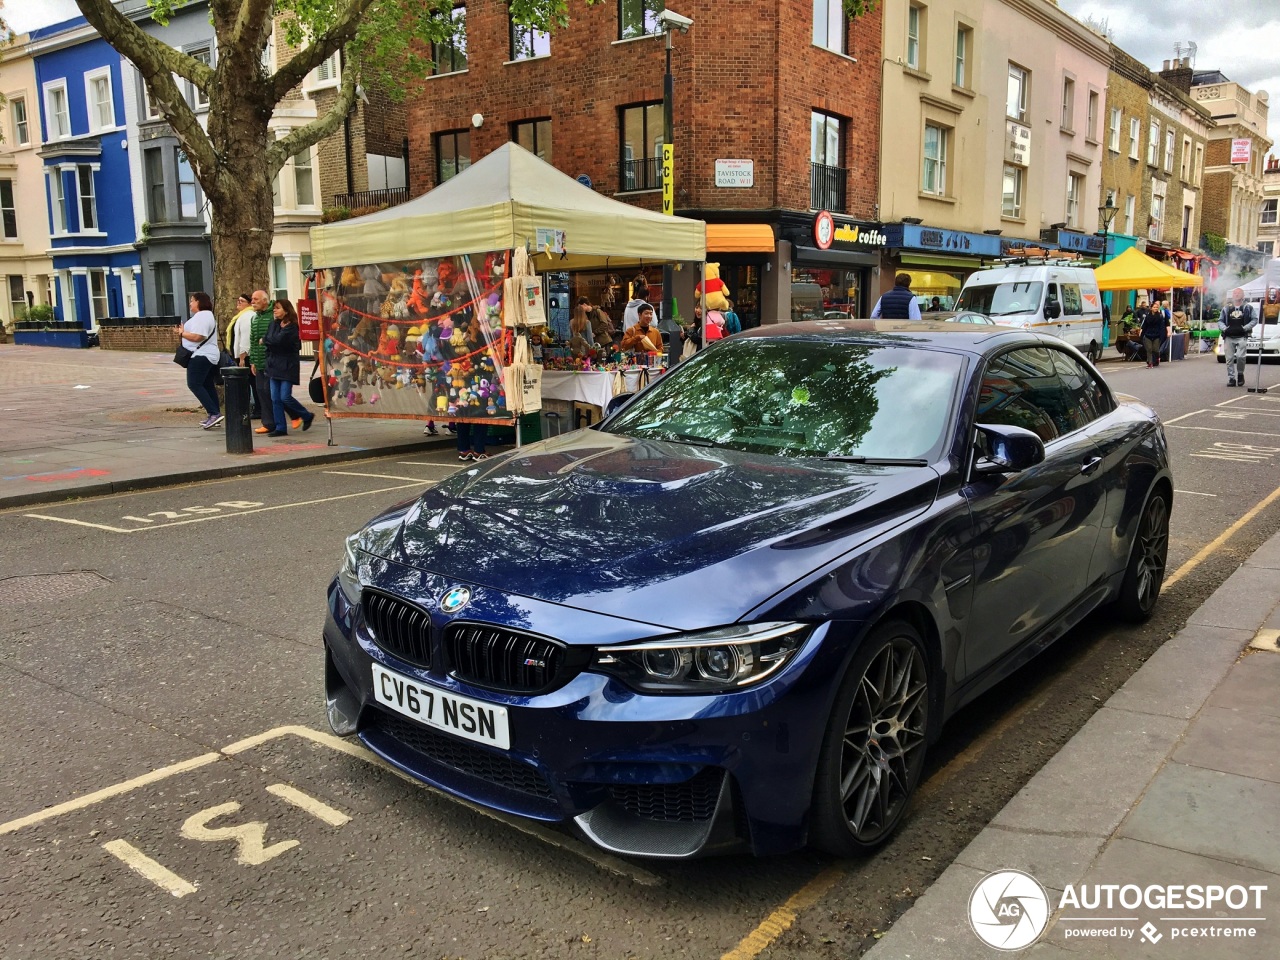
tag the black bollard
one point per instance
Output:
(236, 385)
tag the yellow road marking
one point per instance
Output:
(1220, 539)
(321, 811)
(140, 863)
(781, 919)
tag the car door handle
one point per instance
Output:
(1090, 465)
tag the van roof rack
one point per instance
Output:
(1035, 256)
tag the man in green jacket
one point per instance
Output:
(258, 326)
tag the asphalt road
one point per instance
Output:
(171, 790)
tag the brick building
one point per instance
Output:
(1181, 127)
(1124, 173)
(752, 82)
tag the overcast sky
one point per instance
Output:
(24, 15)
(1239, 37)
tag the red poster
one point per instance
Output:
(308, 320)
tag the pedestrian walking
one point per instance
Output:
(899, 303)
(259, 324)
(1235, 322)
(283, 345)
(199, 336)
(1155, 330)
(471, 440)
(238, 341)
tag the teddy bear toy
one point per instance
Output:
(351, 277)
(458, 340)
(429, 347)
(372, 281)
(717, 291)
(442, 403)
(389, 345)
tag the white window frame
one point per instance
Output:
(1169, 144)
(58, 200)
(94, 315)
(1113, 129)
(68, 295)
(915, 36)
(326, 74)
(1263, 219)
(309, 166)
(57, 130)
(82, 170)
(1157, 217)
(1022, 77)
(1015, 211)
(1198, 170)
(1091, 115)
(199, 101)
(1068, 119)
(935, 164)
(1130, 211)
(1184, 168)
(93, 107)
(21, 125)
(1075, 190)
(964, 50)
(11, 209)
(830, 26)
(1153, 144)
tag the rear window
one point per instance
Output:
(1001, 299)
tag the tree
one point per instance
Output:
(383, 42)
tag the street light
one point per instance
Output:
(1107, 212)
(670, 22)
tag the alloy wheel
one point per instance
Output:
(1152, 549)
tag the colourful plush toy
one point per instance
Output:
(717, 290)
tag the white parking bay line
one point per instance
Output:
(78, 523)
(140, 863)
(376, 476)
(1195, 493)
(1247, 433)
(1193, 413)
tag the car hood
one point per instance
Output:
(658, 532)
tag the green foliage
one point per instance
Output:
(1215, 244)
(40, 312)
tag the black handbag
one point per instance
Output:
(315, 386)
(182, 356)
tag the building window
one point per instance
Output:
(915, 36)
(450, 55)
(1187, 213)
(1185, 169)
(934, 180)
(98, 101)
(1199, 167)
(17, 296)
(964, 39)
(153, 171)
(9, 214)
(303, 179)
(1014, 183)
(826, 162)
(330, 70)
(1075, 189)
(59, 188)
(1091, 117)
(1157, 217)
(534, 136)
(97, 294)
(1268, 213)
(1113, 130)
(67, 281)
(188, 204)
(21, 128)
(1135, 137)
(1168, 151)
(829, 24)
(149, 109)
(529, 42)
(55, 109)
(1130, 210)
(453, 154)
(164, 290)
(638, 18)
(279, 279)
(193, 275)
(1016, 101)
(1068, 104)
(199, 99)
(641, 160)
(88, 203)
(1153, 144)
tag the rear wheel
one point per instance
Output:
(1095, 351)
(1145, 573)
(874, 746)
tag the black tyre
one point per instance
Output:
(1221, 358)
(1145, 573)
(874, 746)
(1095, 352)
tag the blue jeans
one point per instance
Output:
(471, 436)
(282, 402)
(200, 381)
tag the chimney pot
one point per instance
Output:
(1166, 65)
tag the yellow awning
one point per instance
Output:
(739, 238)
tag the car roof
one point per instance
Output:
(968, 337)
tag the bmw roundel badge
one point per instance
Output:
(455, 599)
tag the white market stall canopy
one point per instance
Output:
(1256, 288)
(511, 199)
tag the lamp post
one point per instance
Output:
(670, 22)
(1107, 214)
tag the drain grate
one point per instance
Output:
(45, 587)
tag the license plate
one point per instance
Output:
(460, 716)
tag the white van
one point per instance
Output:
(1044, 297)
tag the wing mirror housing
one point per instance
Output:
(1013, 449)
(617, 403)
(1052, 310)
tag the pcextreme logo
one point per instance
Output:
(1009, 910)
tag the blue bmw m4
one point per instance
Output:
(736, 613)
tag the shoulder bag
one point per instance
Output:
(182, 355)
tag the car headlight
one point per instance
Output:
(349, 572)
(711, 661)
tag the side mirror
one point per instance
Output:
(1052, 310)
(617, 403)
(1013, 449)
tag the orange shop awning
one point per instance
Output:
(739, 238)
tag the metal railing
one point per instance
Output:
(371, 198)
(826, 187)
(643, 174)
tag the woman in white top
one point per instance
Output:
(200, 337)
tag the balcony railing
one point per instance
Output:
(644, 174)
(826, 187)
(371, 198)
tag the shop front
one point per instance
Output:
(937, 260)
(745, 252)
(833, 259)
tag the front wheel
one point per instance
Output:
(1144, 575)
(874, 746)
(1095, 352)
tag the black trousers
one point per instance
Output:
(262, 389)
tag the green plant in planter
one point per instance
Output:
(41, 313)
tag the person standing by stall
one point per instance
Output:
(644, 336)
(1235, 322)
(1155, 330)
(282, 345)
(258, 327)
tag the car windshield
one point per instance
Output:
(803, 397)
(1001, 299)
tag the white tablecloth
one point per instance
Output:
(594, 387)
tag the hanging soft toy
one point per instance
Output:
(372, 279)
(458, 340)
(366, 336)
(351, 278)
(429, 346)
(389, 344)
(717, 291)
(421, 298)
(447, 275)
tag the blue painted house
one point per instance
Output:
(84, 148)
